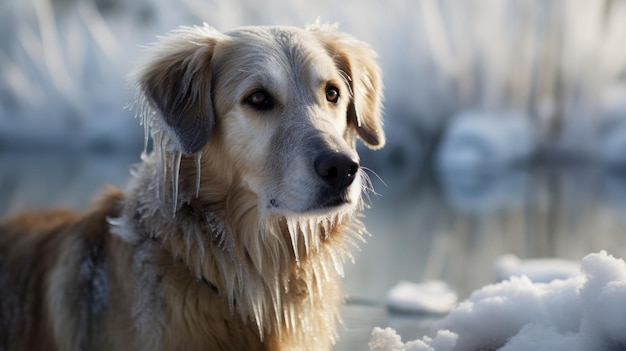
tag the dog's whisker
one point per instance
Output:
(367, 169)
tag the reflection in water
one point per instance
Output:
(31, 181)
(437, 227)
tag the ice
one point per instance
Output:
(583, 312)
(477, 141)
(486, 193)
(427, 297)
(537, 270)
(388, 340)
(175, 173)
(198, 159)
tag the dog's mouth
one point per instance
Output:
(326, 203)
(330, 202)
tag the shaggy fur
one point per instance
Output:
(234, 229)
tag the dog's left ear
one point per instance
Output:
(357, 60)
(175, 82)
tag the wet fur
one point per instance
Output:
(223, 239)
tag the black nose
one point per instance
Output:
(336, 169)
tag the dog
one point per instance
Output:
(232, 233)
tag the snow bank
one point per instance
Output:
(428, 297)
(480, 141)
(542, 270)
(584, 312)
(388, 340)
(485, 193)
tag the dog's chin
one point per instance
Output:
(330, 205)
(324, 206)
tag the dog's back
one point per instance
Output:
(67, 283)
(53, 277)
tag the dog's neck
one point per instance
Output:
(280, 272)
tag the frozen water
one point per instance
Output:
(483, 193)
(537, 270)
(388, 340)
(481, 141)
(578, 313)
(427, 297)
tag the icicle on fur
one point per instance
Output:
(175, 171)
(292, 227)
(198, 159)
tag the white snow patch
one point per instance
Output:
(584, 312)
(537, 270)
(480, 141)
(388, 340)
(429, 297)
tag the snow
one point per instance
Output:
(583, 312)
(477, 141)
(537, 270)
(485, 193)
(387, 340)
(429, 297)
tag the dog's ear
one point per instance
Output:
(358, 61)
(175, 81)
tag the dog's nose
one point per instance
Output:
(336, 169)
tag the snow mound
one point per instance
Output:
(428, 297)
(481, 141)
(584, 312)
(542, 270)
(388, 340)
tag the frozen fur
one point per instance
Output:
(233, 232)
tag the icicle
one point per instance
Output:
(257, 307)
(162, 166)
(317, 276)
(337, 262)
(286, 316)
(292, 226)
(292, 318)
(325, 273)
(276, 300)
(146, 131)
(175, 173)
(198, 158)
(309, 235)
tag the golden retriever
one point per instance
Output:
(234, 229)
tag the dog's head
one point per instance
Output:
(276, 109)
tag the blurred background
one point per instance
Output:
(505, 121)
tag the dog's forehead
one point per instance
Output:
(283, 50)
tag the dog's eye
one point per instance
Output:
(260, 100)
(332, 94)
